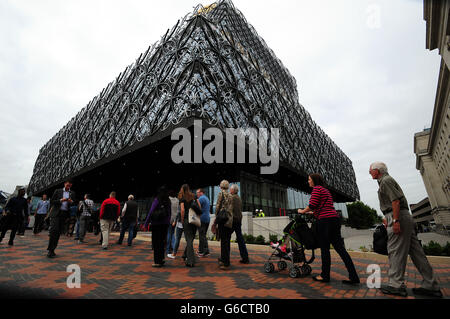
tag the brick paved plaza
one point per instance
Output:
(126, 272)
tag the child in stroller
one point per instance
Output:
(298, 237)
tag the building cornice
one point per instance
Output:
(439, 105)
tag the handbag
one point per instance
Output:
(194, 219)
(196, 208)
(223, 215)
(380, 239)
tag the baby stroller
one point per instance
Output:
(299, 237)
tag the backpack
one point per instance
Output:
(160, 213)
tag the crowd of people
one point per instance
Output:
(173, 214)
(170, 216)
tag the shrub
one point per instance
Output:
(433, 249)
(446, 250)
(249, 239)
(273, 238)
(260, 240)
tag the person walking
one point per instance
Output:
(178, 234)
(16, 211)
(159, 216)
(41, 212)
(60, 202)
(175, 209)
(109, 212)
(128, 220)
(85, 206)
(329, 229)
(187, 198)
(26, 219)
(237, 223)
(203, 249)
(402, 239)
(224, 202)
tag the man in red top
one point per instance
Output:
(109, 212)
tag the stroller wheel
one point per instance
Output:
(294, 272)
(282, 265)
(269, 267)
(306, 269)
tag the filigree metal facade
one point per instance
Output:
(211, 64)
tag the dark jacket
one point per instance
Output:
(131, 211)
(165, 221)
(110, 209)
(237, 208)
(18, 206)
(55, 201)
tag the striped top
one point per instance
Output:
(321, 203)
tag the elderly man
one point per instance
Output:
(237, 223)
(402, 239)
(129, 219)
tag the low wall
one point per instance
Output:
(267, 226)
(256, 226)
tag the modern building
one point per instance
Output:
(421, 213)
(209, 73)
(431, 146)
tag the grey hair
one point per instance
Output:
(379, 166)
(224, 184)
(235, 188)
(130, 197)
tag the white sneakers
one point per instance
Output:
(171, 256)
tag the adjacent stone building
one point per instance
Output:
(432, 145)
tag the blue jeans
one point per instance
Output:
(240, 240)
(170, 239)
(124, 226)
(77, 229)
(178, 234)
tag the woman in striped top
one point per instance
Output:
(329, 229)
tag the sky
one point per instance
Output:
(362, 70)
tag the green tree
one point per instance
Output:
(361, 216)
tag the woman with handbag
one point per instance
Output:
(329, 229)
(224, 223)
(188, 219)
(159, 216)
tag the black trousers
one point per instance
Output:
(329, 230)
(57, 225)
(22, 227)
(38, 223)
(159, 236)
(12, 222)
(225, 239)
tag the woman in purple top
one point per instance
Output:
(160, 221)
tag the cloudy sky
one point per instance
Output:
(361, 67)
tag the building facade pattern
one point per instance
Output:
(213, 65)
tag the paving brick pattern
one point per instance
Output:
(126, 272)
